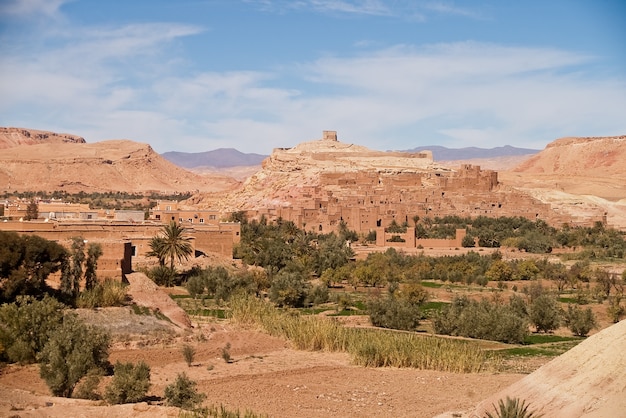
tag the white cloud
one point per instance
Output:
(29, 8)
(124, 82)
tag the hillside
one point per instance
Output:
(587, 157)
(577, 175)
(13, 137)
(116, 165)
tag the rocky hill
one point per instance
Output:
(116, 165)
(324, 182)
(586, 157)
(12, 137)
(578, 176)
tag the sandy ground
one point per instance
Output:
(265, 376)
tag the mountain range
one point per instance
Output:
(230, 157)
(219, 158)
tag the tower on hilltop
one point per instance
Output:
(329, 135)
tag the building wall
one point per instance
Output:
(121, 241)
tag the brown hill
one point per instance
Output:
(12, 137)
(587, 157)
(577, 176)
(116, 165)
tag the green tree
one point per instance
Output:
(27, 325)
(289, 288)
(25, 263)
(157, 249)
(32, 210)
(182, 393)
(545, 313)
(499, 270)
(579, 321)
(175, 244)
(78, 258)
(73, 350)
(94, 252)
(130, 383)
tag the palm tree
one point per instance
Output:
(173, 244)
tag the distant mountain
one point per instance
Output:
(219, 158)
(449, 154)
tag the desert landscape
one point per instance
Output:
(320, 185)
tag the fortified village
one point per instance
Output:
(318, 185)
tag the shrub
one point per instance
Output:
(579, 321)
(130, 383)
(73, 350)
(394, 313)
(27, 325)
(317, 295)
(226, 353)
(104, 294)
(182, 393)
(512, 408)
(88, 386)
(195, 286)
(484, 319)
(162, 275)
(188, 354)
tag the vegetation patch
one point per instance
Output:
(375, 348)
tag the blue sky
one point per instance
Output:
(197, 75)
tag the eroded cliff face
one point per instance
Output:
(595, 156)
(13, 137)
(577, 176)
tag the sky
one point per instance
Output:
(198, 75)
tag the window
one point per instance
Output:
(201, 220)
(212, 217)
(158, 217)
(190, 220)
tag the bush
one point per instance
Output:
(579, 321)
(104, 294)
(26, 326)
(188, 354)
(73, 350)
(162, 275)
(484, 320)
(130, 383)
(394, 313)
(512, 408)
(317, 295)
(88, 386)
(182, 393)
